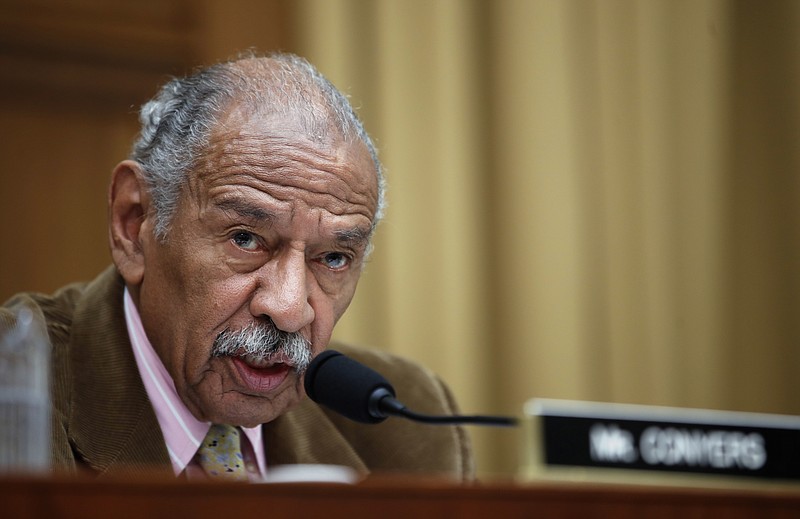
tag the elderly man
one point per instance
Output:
(238, 230)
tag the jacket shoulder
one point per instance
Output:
(53, 312)
(59, 315)
(52, 316)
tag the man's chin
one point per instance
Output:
(249, 411)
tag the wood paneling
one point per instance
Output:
(91, 49)
(72, 76)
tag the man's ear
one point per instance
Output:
(127, 207)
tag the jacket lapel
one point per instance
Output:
(111, 423)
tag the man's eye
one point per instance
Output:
(245, 240)
(335, 260)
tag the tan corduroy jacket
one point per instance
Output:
(104, 422)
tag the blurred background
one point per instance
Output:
(594, 200)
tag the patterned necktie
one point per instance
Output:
(220, 454)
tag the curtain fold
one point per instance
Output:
(588, 199)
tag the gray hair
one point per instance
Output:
(178, 121)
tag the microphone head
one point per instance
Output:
(346, 386)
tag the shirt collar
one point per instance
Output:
(181, 430)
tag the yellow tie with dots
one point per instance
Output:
(220, 454)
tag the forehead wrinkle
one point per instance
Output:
(290, 158)
(275, 151)
(245, 209)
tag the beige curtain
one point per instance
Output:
(588, 199)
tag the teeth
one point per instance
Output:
(257, 361)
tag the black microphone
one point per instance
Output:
(364, 395)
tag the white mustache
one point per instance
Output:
(264, 341)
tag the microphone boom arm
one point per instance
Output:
(383, 403)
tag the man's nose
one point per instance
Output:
(283, 292)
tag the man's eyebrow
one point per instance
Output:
(353, 237)
(244, 209)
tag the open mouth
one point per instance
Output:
(262, 375)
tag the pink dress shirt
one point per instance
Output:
(182, 431)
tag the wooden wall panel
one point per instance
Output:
(91, 49)
(72, 75)
(54, 172)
